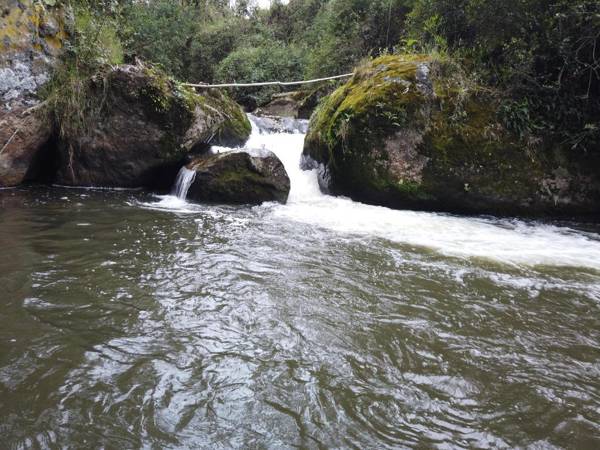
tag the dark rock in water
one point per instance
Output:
(323, 175)
(23, 136)
(32, 38)
(140, 123)
(282, 106)
(404, 133)
(296, 105)
(239, 177)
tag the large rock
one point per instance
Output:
(23, 137)
(139, 123)
(282, 105)
(404, 134)
(32, 36)
(239, 177)
(278, 124)
(296, 104)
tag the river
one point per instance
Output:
(129, 320)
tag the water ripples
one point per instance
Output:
(236, 328)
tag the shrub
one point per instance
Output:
(162, 32)
(267, 61)
(544, 56)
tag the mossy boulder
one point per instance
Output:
(406, 132)
(239, 177)
(137, 125)
(32, 37)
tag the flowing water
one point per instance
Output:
(131, 321)
(185, 178)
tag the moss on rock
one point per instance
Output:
(239, 178)
(411, 132)
(235, 127)
(132, 121)
(172, 104)
(30, 25)
(32, 37)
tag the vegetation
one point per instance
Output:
(542, 58)
(542, 55)
(411, 131)
(94, 44)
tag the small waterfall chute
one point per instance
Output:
(184, 180)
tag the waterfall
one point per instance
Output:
(185, 178)
(509, 241)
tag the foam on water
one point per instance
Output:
(513, 242)
(506, 241)
(173, 203)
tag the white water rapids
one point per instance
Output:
(503, 240)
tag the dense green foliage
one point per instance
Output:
(541, 57)
(209, 41)
(260, 63)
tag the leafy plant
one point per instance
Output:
(516, 117)
(266, 61)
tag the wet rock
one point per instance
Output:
(140, 123)
(274, 124)
(296, 105)
(282, 106)
(241, 177)
(23, 136)
(404, 133)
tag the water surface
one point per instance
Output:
(134, 321)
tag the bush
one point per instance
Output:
(267, 61)
(215, 41)
(345, 31)
(162, 32)
(541, 55)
